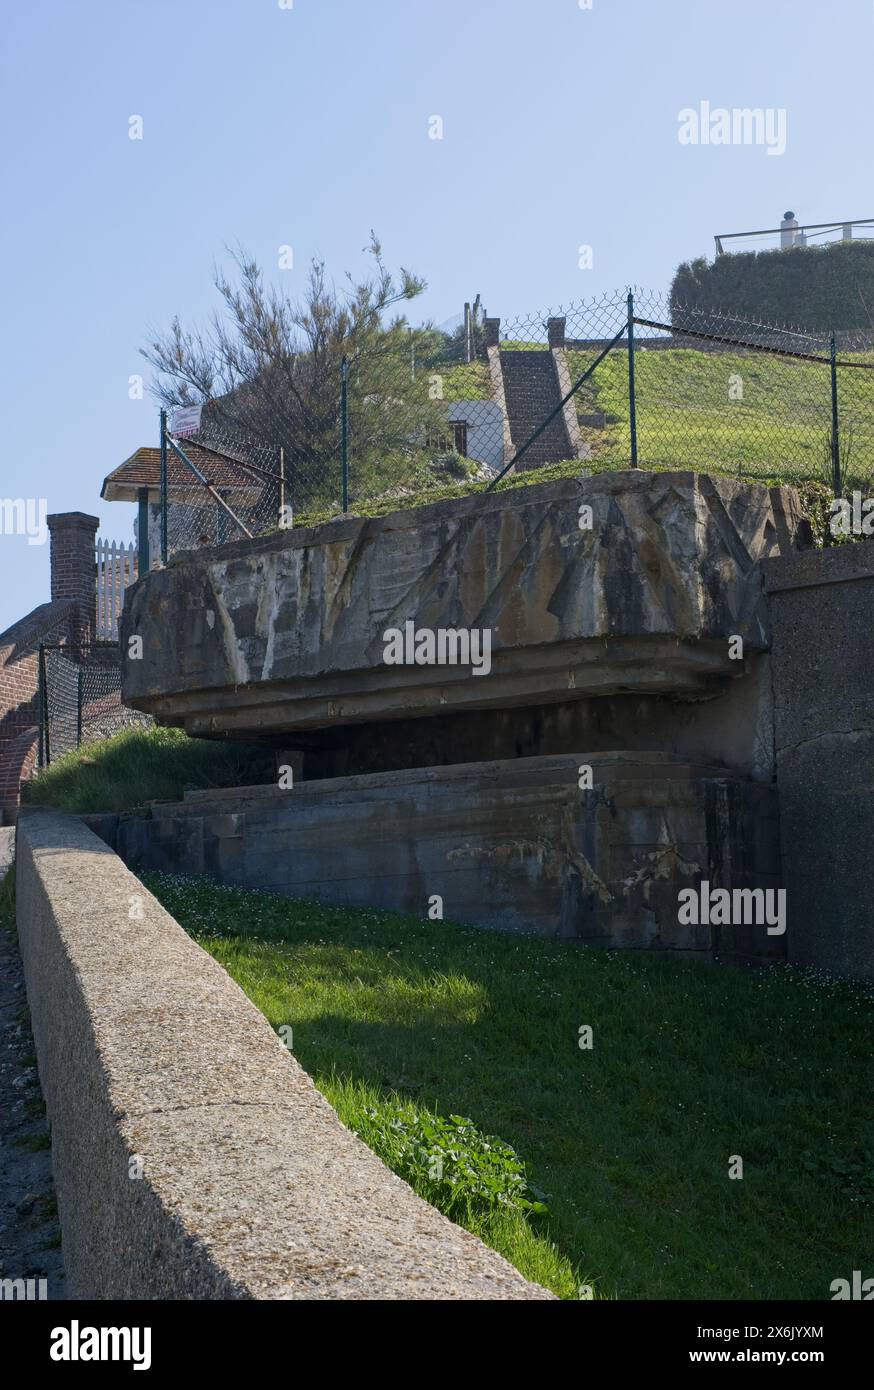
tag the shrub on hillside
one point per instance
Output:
(815, 287)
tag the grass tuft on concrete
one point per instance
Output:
(144, 764)
(405, 1023)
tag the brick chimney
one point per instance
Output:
(555, 329)
(73, 566)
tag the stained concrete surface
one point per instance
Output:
(511, 845)
(286, 632)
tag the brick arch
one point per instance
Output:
(17, 761)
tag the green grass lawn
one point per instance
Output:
(144, 764)
(687, 419)
(466, 381)
(401, 1021)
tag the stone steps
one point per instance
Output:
(532, 392)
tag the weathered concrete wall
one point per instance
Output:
(286, 633)
(611, 603)
(822, 613)
(512, 846)
(733, 729)
(251, 1187)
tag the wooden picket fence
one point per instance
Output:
(116, 568)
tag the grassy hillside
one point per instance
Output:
(686, 417)
(404, 1023)
(750, 416)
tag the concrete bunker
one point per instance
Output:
(619, 748)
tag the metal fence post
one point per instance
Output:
(45, 756)
(143, 556)
(836, 438)
(344, 430)
(163, 487)
(79, 707)
(632, 401)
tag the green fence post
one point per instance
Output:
(836, 438)
(164, 488)
(632, 401)
(143, 558)
(344, 430)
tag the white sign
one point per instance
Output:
(185, 419)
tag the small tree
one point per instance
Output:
(267, 371)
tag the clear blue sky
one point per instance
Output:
(308, 126)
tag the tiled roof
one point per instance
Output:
(143, 469)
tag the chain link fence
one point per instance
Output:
(730, 395)
(411, 415)
(79, 701)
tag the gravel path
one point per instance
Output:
(29, 1233)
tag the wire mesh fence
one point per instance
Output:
(220, 487)
(725, 394)
(79, 701)
(408, 415)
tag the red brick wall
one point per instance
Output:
(68, 618)
(17, 762)
(19, 677)
(19, 686)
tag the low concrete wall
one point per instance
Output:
(148, 1051)
(512, 845)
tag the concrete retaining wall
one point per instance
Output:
(822, 610)
(150, 1054)
(511, 845)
